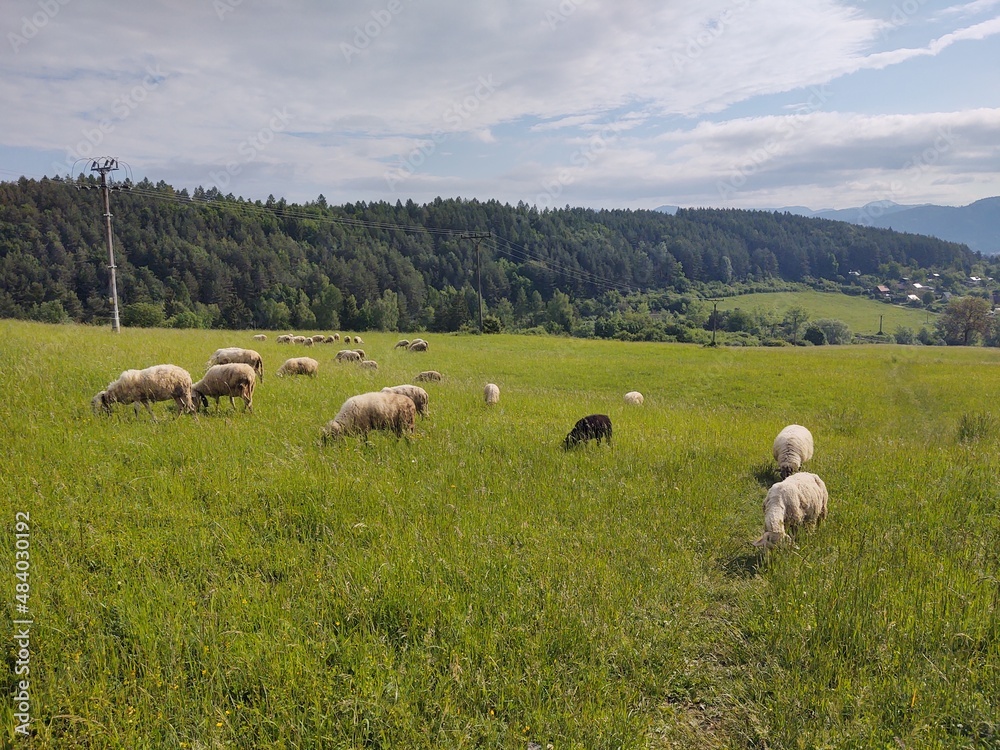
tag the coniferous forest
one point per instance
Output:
(213, 261)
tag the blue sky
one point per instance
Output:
(733, 103)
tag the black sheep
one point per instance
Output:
(595, 426)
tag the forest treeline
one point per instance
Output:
(208, 260)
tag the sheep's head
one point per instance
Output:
(770, 539)
(332, 430)
(101, 403)
(786, 471)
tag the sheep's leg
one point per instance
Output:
(149, 408)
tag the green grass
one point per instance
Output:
(230, 582)
(860, 313)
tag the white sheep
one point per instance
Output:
(792, 447)
(368, 364)
(491, 394)
(415, 393)
(260, 337)
(236, 354)
(361, 352)
(233, 379)
(347, 339)
(634, 397)
(299, 366)
(156, 383)
(298, 339)
(348, 355)
(428, 375)
(308, 341)
(357, 340)
(418, 345)
(336, 337)
(318, 338)
(402, 343)
(800, 499)
(285, 338)
(372, 411)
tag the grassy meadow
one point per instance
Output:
(229, 582)
(860, 313)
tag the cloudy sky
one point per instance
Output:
(600, 103)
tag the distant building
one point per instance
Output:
(882, 290)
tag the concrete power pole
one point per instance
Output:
(103, 166)
(479, 270)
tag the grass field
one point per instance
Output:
(229, 582)
(860, 313)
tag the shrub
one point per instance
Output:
(143, 315)
(814, 335)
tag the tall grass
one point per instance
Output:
(230, 582)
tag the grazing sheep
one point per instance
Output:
(634, 397)
(233, 379)
(328, 339)
(372, 411)
(347, 339)
(361, 352)
(417, 346)
(285, 338)
(298, 339)
(491, 394)
(260, 337)
(318, 338)
(428, 375)
(299, 366)
(357, 340)
(415, 393)
(348, 355)
(308, 341)
(336, 337)
(236, 354)
(156, 383)
(792, 448)
(402, 343)
(592, 427)
(799, 499)
(368, 364)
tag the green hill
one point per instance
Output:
(860, 313)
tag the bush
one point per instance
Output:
(492, 324)
(186, 319)
(904, 335)
(741, 339)
(143, 315)
(814, 335)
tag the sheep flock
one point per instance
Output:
(798, 500)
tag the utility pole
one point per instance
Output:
(715, 318)
(477, 236)
(103, 166)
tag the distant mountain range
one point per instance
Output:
(977, 225)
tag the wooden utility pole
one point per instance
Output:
(476, 237)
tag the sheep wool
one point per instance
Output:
(236, 354)
(299, 366)
(368, 364)
(634, 397)
(592, 427)
(417, 346)
(402, 344)
(800, 499)
(348, 355)
(491, 394)
(415, 393)
(379, 410)
(428, 375)
(235, 379)
(260, 337)
(792, 447)
(156, 383)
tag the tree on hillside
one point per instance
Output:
(964, 320)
